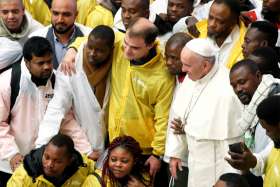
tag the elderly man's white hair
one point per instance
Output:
(10, 52)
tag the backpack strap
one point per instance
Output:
(53, 80)
(15, 83)
(98, 177)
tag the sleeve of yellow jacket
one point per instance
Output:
(40, 12)
(84, 8)
(100, 16)
(91, 181)
(19, 178)
(161, 109)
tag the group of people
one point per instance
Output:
(140, 93)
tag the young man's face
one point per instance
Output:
(135, 48)
(172, 56)
(273, 131)
(177, 9)
(63, 16)
(252, 41)
(97, 51)
(12, 14)
(244, 83)
(40, 67)
(55, 160)
(132, 9)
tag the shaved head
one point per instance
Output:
(71, 4)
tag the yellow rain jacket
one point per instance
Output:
(40, 11)
(236, 51)
(100, 16)
(140, 101)
(21, 178)
(93, 181)
(272, 169)
(27, 6)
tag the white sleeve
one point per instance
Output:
(176, 145)
(262, 157)
(59, 105)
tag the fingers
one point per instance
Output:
(177, 126)
(173, 171)
(235, 156)
(237, 164)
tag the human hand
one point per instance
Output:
(174, 165)
(177, 126)
(154, 165)
(94, 155)
(67, 65)
(243, 161)
(163, 16)
(16, 161)
(190, 22)
(133, 182)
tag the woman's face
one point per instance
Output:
(120, 162)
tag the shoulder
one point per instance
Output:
(85, 30)
(40, 32)
(5, 79)
(20, 178)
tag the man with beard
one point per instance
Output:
(63, 30)
(252, 87)
(259, 34)
(267, 162)
(93, 66)
(26, 90)
(16, 24)
(225, 30)
(41, 10)
(270, 12)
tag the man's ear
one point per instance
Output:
(259, 75)
(264, 43)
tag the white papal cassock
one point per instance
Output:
(210, 111)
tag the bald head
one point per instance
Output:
(71, 4)
(10, 1)
(142, 27)
(63, 16)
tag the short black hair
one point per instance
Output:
(269, 110)
(105, 33)
(270, 58)
(62, 140)
(145, 4)
(37, 46)
(234, 6)
(269, 30)
(179, 38)
(234, 180)
(250, 64)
